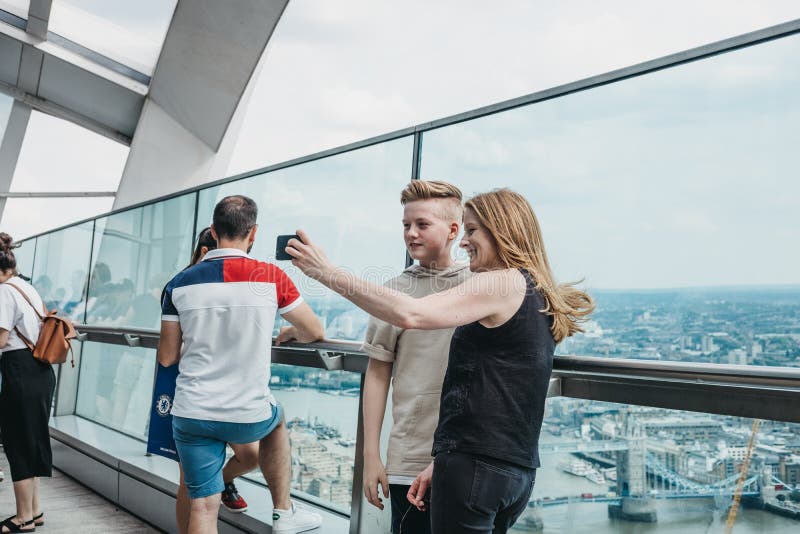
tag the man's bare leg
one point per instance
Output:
(275, 460)
(182, 505)
(244, 460)
(203, 515)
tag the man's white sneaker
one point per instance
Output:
(294, 520)
(2, 476)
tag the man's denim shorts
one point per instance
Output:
(201, 448)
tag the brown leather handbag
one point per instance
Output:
(55, 335)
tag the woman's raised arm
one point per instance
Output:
(482, 296)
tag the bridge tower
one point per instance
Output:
(632, 476)
(766, 488)
(636, 470)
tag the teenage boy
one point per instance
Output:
(417, 359)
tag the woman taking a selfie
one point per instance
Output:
(509, 317)
(27, 393)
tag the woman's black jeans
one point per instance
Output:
(477, 494)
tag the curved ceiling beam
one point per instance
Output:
(59, 82)
(209, 55)
(197, 97)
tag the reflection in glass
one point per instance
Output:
(322, 416)
(62, 265)
(129, 32)
(677, 179)
(135, 253)
(349, 203)
(24, 255)
(116, 385)
(616, 468)
(725, 325)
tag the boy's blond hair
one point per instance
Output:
(434, 189)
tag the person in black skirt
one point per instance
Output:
(26, 395)
(508, 316)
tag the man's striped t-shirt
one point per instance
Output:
(226, 307)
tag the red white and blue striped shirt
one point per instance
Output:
(226, 306)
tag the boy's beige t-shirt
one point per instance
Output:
(419, 359)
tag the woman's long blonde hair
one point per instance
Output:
(512, 224)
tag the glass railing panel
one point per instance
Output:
(321, 410)
(724, 325)
(62, 267)
(348, 203)
(619, 468)
(676, 179)
(135, 253)
(115, 386)
(25, 254)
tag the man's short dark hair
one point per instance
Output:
(234, 216)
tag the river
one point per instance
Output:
(675, 516)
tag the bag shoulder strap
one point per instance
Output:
(28, 300)
(24, 339)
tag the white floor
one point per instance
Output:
(70, 507)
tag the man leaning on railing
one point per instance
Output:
(222, 311)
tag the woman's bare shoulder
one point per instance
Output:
(499, 282)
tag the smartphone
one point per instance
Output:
(280, 247)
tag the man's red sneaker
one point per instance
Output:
(232, 500)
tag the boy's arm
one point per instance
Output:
(376, 390)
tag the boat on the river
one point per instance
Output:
(582, 468)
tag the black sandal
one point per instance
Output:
(38, 520)
(13, 527)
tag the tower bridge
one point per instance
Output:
(653, 478)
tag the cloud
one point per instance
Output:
(404, 63)
(597, 170)
(23, 217)
(57, 155)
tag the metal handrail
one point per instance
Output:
(746, 375)
(330, 354)
(738, 390)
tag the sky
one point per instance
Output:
(614, 210)
(337, 72)
(685, 177)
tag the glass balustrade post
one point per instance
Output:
(358, 468)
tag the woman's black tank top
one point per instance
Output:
(496, 384)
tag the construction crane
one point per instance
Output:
(737, 495)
